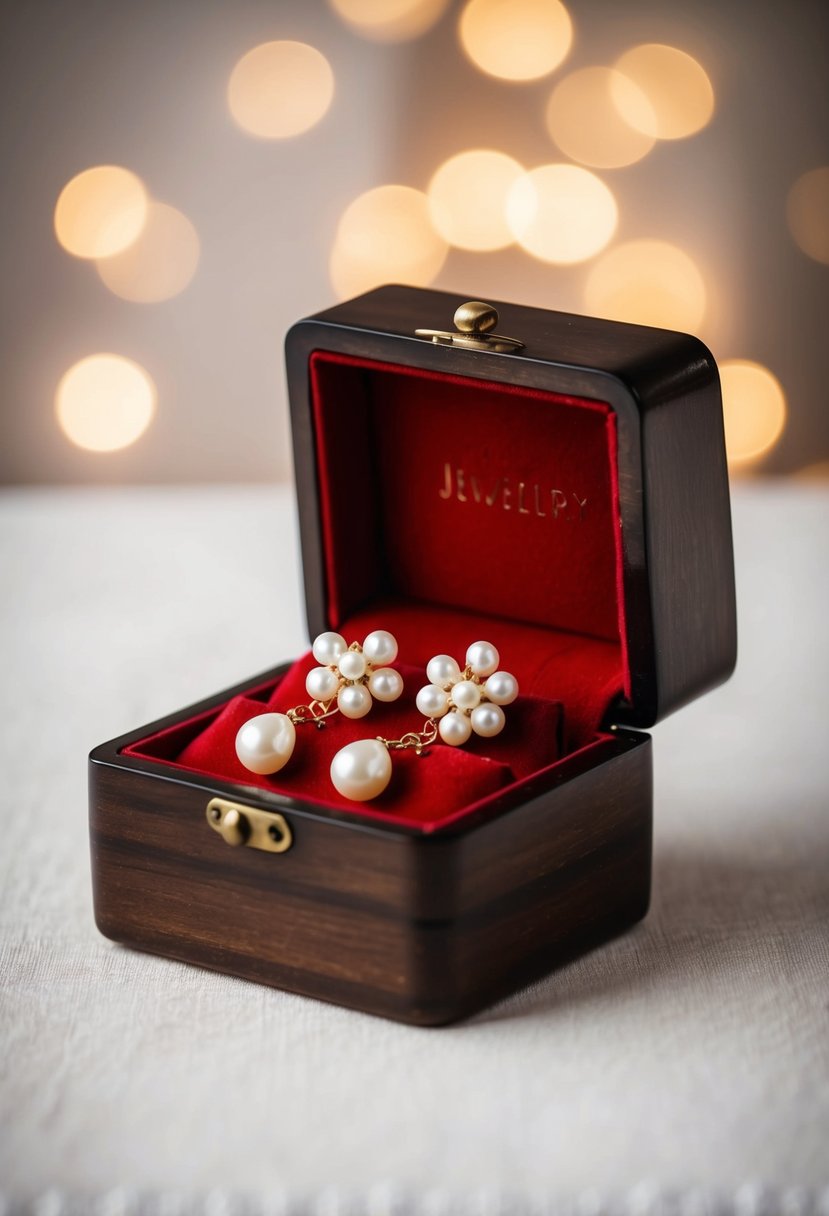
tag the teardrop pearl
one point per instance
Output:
(265, 743)
(328, 647)
(354, 701)
(362, 770)
(455, 728)
(385, 684)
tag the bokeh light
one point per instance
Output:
(561, 213)
(159, 264)
(585, 122)
(754, 409)
(516, 39)
(816, 473)
(468, 198)
(105, 402)
(100, 211)
(280, 89)
(807, 210)
(390, 20)
(386, 236)
(647, 283)
(674, 97)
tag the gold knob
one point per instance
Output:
(475, 317)
(233, 827)
(475, 322)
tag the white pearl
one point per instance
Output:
(361, 770)
(352, 665)
(385, 684)
(466, 695)
(482, 658)
(380, 648)
(354, 701)
(328, 647)
(502, 688)
(455, 728)
(321, 684)
(487, 720)
(443, 670)
(432, 701)
(265, 743)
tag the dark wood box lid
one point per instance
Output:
(673, 499)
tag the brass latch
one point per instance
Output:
(474, 322)
(237, 824)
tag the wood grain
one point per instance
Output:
(424, 929)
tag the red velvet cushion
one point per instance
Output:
(424, 791)
(580, 673)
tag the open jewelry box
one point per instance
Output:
(564, 497)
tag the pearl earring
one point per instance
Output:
(455, 704)
(347, 681)
(467, 701)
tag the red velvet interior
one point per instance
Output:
(451, 510)
(425, 790)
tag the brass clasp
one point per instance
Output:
(237, 824)
(474, 322)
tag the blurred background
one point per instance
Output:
(184, 180)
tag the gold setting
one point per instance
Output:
(414, 740)
(315, 712)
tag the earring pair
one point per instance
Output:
(348, 680)
(456, 704)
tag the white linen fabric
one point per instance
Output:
(683, 1068)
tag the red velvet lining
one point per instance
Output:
(428, 788)
(451, 510)
(524, 524)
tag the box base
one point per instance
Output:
(423, 929)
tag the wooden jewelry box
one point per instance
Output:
(562, 493)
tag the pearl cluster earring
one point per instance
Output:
(463, 702)
(455, 704)
(352, 676)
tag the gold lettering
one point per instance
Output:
(492, 497)
(525, 498)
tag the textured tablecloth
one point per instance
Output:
(683, 1068)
